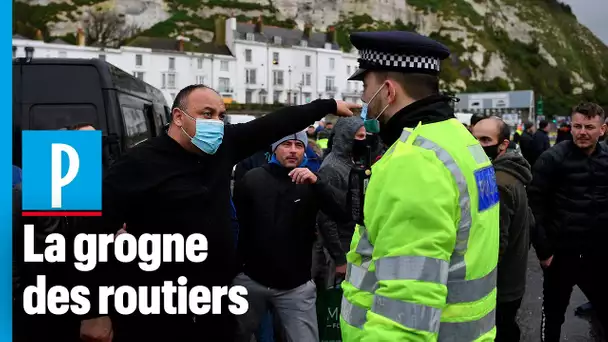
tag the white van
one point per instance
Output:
(239, 118)
(464, 118)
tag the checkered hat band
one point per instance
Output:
(400, 61)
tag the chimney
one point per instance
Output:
(259, 25)
(180, 42)
(330, 35)
(80, 37)
(219, 37)
(307, 31)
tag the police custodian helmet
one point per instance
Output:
(400, 51)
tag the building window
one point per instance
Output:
(102, 57)
(330, 83)
(223, 65)
(63, 54)
(168, 80)
(200, 79)
(307, 61)
(139, 60)
(277, 40)
(249, 36)
(275, 58)
(224, 85)
(199, 62)
(248, 96)
(277, 77)
(171, 63)
(308, 80)
(248, 55)
(250, 76)
(304, 43)
(139, 74)
(348, 70)
(332, 64)
(276, 96)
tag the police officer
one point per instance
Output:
(422, 267)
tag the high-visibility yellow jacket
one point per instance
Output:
(423, 268)
(323, 143)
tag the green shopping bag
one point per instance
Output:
(328, 314)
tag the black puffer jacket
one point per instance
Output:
(569, 198)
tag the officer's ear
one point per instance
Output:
(391, 89)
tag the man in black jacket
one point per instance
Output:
(277, 222)
(525, 142)
(569, 198)
(540, 142)
(179, 183)
(512, 175)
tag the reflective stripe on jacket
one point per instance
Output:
(423, 268)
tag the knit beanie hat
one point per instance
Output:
(301, 136)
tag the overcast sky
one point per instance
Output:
(592, 13)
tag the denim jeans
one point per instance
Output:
(265, 331)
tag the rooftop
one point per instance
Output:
(289, 37)
(171, 44)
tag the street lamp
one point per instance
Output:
(300, 85)
(29, 53)
(289, 89)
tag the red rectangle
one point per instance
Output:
(61, 213)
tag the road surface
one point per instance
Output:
(575, 329)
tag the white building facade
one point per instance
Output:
(166, 70)
(290, 66)
(262, 66)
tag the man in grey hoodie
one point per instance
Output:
(348, 134)
(512, 175)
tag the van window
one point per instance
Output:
(136, 128)
(56, 116)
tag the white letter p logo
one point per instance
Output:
(58, 182)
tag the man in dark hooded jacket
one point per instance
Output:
(336, 167)
(512, 175)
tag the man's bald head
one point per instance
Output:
(492, 129)
(493, 134)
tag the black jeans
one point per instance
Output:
(567, 270)
(507, 329)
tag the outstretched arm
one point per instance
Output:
(247, 138)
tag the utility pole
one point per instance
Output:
(289, 89)
(300, 85)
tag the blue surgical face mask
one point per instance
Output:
(209, 134)
(372, 125)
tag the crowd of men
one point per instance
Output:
(426, 225)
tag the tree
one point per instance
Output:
(107, 28)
